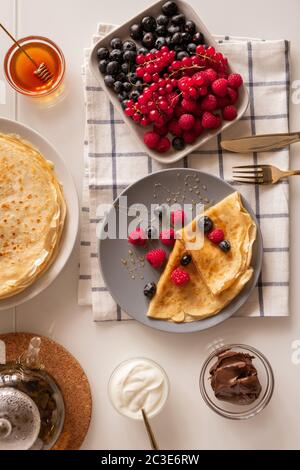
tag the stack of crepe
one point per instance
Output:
(216, 278)
(32, 215)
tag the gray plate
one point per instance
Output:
(128, 293)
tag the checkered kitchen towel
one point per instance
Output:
(113, 161)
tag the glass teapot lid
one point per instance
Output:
(20, 420)
(32, 408)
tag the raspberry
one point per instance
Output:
(156, 258)
(174, 128)
(235, 80)
(209, 103)
(188, 105)
(200, 79)
(219, 87)
(211, 75)
(137, 237)
(151, 139)
(180, 277)
(210, 120)
(229, 113)
(167, 237)
(163, 145)
(162, 131)
(189, 136)
(186, 121)
(177, 217)
(216, 236)
(222, 102)
(233, 95)
(198, 127)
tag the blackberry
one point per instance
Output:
(148, 24)
(190, 27)
(136, 31)
(102, 65)
(185, 260)
(148, 40)
(205, 224)
(102, 53)
(198, 38)
(116, 43)
(150, 290)
(162, 20)
(178, 143)
(113, 68)
(169, 8)
(129, 46)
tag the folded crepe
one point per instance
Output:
(192, 301)
(32, 215)
(220, 270)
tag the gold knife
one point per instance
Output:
(260, 143)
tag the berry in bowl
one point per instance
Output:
(164, 74)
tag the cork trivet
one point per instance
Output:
(71, 379)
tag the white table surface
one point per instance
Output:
(186, 422)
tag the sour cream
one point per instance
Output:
(136, 384)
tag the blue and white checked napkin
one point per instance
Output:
(113, 161)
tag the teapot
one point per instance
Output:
(32, 410)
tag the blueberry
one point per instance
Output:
(186, 38)
(121, 77)
(168, 40)
(176, 39)
(177, 48)
(102, 65)
(185, 260)
(116, 43)
(160, 42)
(139, 85)
(136, 31)
(225, 246)
(127, 86)
(150, 290)
(181, 54)
(113, 68)
(161, 30)
(191, 48)
(109, 81)
(129, 56)
(173, 29)
(148, 40)
(129, 46)
(198, 38)
(205, 224)
(118, 86)
(178, 143)
(190, 27)
(134, 95)
(178, 20)
(142, 50)
(125, 68)
(149, 23)
(123, 96)
(153, 50)
(151, 233)
(169, 8)
(132, 77)
(102, 53)
(162, 20)
(116, 54)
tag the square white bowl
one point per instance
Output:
(138, 131)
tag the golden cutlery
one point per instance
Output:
(150, 433)
(41, 70)
(260, 143)
(260, 174)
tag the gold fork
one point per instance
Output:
(260, 174)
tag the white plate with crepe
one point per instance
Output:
(208, 299)
(64, 223)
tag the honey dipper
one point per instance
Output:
(41, 71)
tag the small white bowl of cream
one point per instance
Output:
(137, 384)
